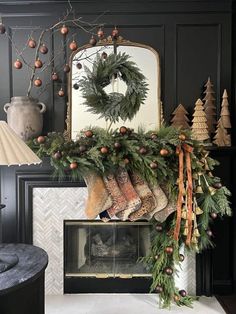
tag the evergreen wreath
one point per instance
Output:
(114, 105)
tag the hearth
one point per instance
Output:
(100, 256)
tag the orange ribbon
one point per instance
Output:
(185, 149)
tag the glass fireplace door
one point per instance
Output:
(103, 250)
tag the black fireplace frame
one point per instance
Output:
(18, 218)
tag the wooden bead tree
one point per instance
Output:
(199, 122)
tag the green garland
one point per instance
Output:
(103, 151)
(114, 105)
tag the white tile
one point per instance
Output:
(123, 304)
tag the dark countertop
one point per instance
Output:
(32, 263)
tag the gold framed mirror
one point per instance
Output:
(146, 59)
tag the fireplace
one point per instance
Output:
(95, 251)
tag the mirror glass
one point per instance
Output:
(146, 59)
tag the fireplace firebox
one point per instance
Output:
(104, 257)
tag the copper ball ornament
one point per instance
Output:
(38, 64)
(126, 161)
(104, 150)
(176, 298)
(64, 30)
(57, 155)
(73, 165)
(169, 249)
(142, 150)
(183, 293)
(88, 133)
(153, 165)
(37, 82)
(159, 289)
(217, 185)
(123, 130)
(209, 233)
(164, 152)
(159, 228)
(18, 64)
(32, 43)
(214, 215)
(43, 49)
(117, 145)
(93, 41)
(182, 137)
(73, 45)
(154, 136)
(41, 139)
(82, 148)
(66, 68)
(168, 271)
(2, 28)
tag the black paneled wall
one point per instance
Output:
(194, 40)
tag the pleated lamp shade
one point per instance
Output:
(13, 151)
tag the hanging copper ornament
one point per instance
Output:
(64, 30)
(18, 64)
(73, 45)
(2, 28)
(115, 33)
(37, 82)
(32, 43)
(55, 76)
(100, 33)
(61, 92)
(93, 41)
(66, 68)
(43, 49)
(38, 63)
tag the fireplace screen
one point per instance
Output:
(103, 250)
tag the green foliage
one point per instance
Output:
(211, 198)
(114, 105)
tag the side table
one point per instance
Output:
(22, 286)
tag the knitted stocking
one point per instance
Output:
(132, 198)
(146, 196)
(164, 213)
(161, 200)
(118, 200)
(98, 198)
(169, 209)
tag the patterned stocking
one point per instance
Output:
(146, 196)
(161, 201)
(132, 198)
(98, 198)
(118, 200)
(164, 213)
(169, 209)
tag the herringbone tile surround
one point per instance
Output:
(53, 205)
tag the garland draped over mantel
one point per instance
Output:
(168, 157)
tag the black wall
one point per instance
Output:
(195, 39)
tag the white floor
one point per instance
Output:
(123, 304)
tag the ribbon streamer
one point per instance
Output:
(184, 150)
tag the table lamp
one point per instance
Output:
(13, 151)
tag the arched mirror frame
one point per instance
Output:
(120, 41)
